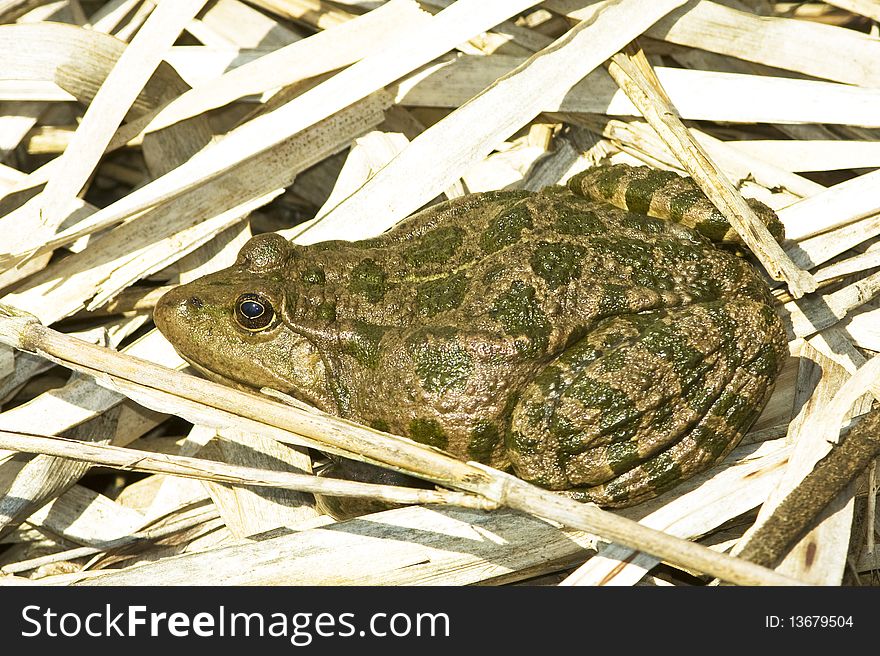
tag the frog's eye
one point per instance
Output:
(253, 312)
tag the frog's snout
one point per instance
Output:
(176, 308)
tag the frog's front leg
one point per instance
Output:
(647, 400)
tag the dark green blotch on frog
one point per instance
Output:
(614, 299)
(380, 425)
(437, 245)
(662, 473)
(714, 226)
(550, 382)
(557, 263)
(627, 251)
(673, 252)
(683, 202)
(733, 407)
(640, 191)
(520, 314)
(712, 442)
(663, 470)
(505, 229)
(737, 412)
(326, 311)
(428, 431)
(575, 216)
(483, 440)
(666, 342)
(441, 295)
(583, 353)
(645, 224)
(698, 398)
(521, 443)
(368, 278)
(441, 363)
(617, 410)
(766, 362)
(656, 280)
(313, 275)
(579, 224)
(362, 343)
(704, 289)
(622, 456)
(640, 258)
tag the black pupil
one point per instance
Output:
(252, 309)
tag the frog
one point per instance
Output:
(600, 338)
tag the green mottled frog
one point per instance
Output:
(590, 336)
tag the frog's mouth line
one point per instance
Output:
(217, 378)
(236, 384)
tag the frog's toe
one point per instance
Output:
(342, 508)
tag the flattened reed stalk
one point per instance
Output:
(339, 436)
(827, 394)
(809, 315)
(322, 52)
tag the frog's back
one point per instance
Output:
(539, 267)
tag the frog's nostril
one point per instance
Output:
(195, 302)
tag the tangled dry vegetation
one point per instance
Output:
(142, 143)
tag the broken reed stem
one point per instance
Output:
(810, 315)
(855, 264)
(219, 472)
(795, 514)
(354, 441)
(662, 116)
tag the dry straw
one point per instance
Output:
(192, 117)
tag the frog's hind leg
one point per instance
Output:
(623, 420)
(666, 195)
(707, 443)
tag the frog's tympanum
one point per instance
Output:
(563, 333)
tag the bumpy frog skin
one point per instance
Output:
(592, 348)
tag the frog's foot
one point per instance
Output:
(666, 195)
(625, 419)
(342, 508)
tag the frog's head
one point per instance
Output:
(231, 325)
